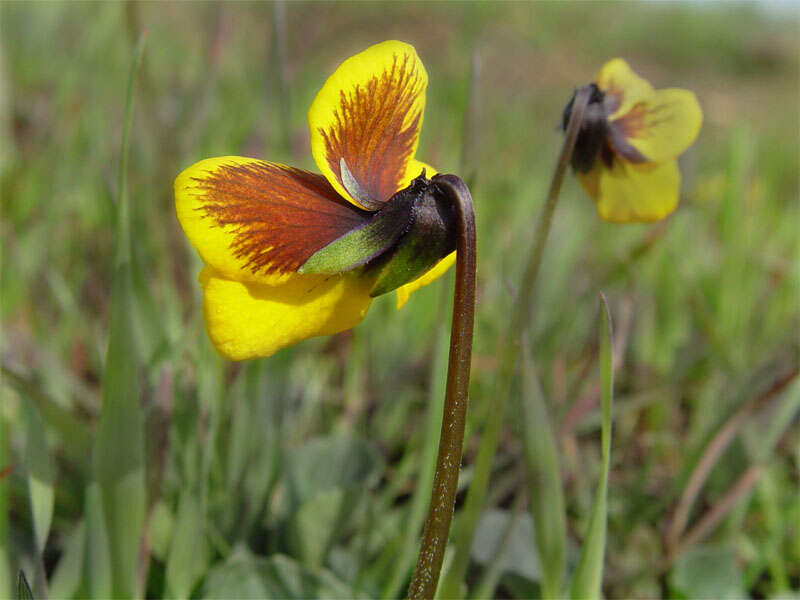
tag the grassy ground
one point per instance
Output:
(295, 475)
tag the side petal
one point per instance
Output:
(259, 221)
(404, 292)
(365, 122)
(250, 320)
(630, 193)
(623, 87)
(663, 126)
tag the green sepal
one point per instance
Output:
(361, 245)
(413, 258)
(430, 238)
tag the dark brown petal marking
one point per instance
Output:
(620, 145)
(281, 215)
(636, 124)
(369, 132)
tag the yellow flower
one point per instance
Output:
(626, 153)
(292, 254)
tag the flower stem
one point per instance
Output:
(445, 482)
(519, 321)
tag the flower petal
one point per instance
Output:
(404, 292)
(623, 87)
(365, 122)
(628, 193)
(663, 126)
(250, 320)
(258, 221)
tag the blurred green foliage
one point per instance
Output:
(297, 476)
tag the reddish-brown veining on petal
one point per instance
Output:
(281, 215)
(375, 129)
(640, 118)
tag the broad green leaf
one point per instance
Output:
(315, 525)
(188, 551)
(707, 572)
(246, 576)
(543, 478)
(66, 579)
(329, 462)
(98, 561)
(40, 475)
(588, 576)
(519, 550)
(119, 444)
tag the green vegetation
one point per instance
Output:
(308, 474)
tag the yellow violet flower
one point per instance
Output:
(626, 153)
(292, 254)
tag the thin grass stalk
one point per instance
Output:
(118, 452)
(280, 49)
(588, 577)
(445, 483)
(519, 321)
(416, 515)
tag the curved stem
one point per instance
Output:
(445, 483)
(519, 321)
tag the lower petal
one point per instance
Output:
(251, 320)
(404, 292)
(629, 193)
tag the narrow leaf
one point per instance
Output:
(188, 554)
(23, 588)
(119, 444)
(588, 575)
(98, 562)
(40, 476)
(66, 578)
(544, 479)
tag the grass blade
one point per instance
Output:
(422, 492)
(66, 579)
(98, 561)
(119, 446)
(23, 588)
(544, 479)
(588, 576)
(40, 474)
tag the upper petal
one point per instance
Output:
(623, 87)
(662, 126)
(629, 193)
(258, 221)
(365, 122)
(250, 320)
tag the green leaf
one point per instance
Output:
(246, 576)
(588, 576)
(544, 479)
(707, 572)
(519, 551)
(314, 527)
(23, 588)
(330, 462)
(98, 560)
(66, 579)
(188, 552)
(119, 444)
(40, 474)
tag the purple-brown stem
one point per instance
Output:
(445, 483)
